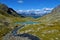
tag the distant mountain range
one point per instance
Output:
(35, 13)
(24, 13)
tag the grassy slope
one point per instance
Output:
(48, 29)
(5, 17)
(10, 19)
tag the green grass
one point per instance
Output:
(4, 17)
(43, 32)
(48, 29)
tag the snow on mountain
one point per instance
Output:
(35, 12)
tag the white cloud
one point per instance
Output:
(19, 11)
(20, 1)
(47, 9)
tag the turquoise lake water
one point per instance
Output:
(27, 22)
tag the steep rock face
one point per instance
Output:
(56, 9)
(8, 11)
(12, 12)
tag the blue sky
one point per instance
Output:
(30, 4)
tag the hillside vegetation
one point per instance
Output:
(8, 17)
(49, 27)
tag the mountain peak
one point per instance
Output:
(58, 6)
(56, 9)
(3, 7)
(8, 11)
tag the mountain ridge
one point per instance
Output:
(9, 11)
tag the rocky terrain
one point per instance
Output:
(48, 27)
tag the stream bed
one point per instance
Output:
(25, 36)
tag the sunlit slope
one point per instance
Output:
(7, 21)
(53, 16)
(49, 27)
